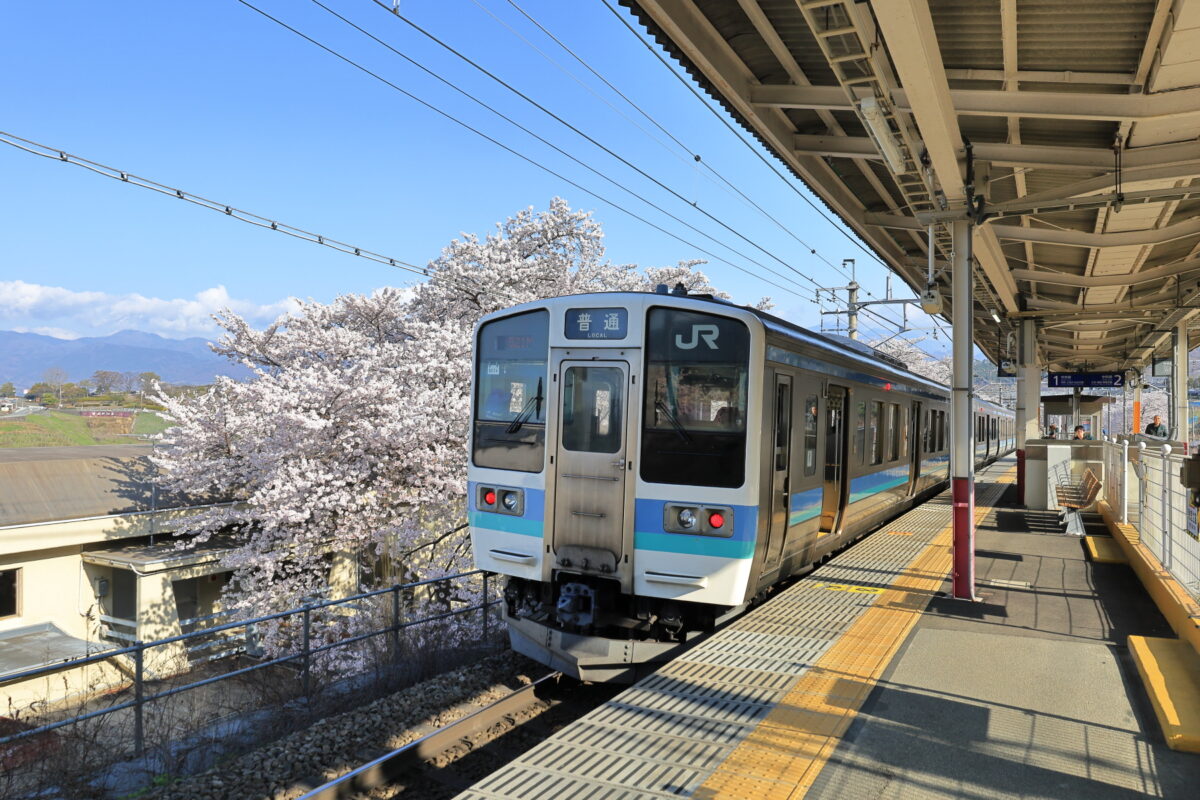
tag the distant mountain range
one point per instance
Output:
(25, 357)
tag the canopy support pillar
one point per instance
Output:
(962, 450)
(1029, 380)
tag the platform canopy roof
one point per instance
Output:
(1065, 103)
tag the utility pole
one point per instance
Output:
(853, 305)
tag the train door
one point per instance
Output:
(782, 458)
(914, 447)
(589, 502)
(836, 437)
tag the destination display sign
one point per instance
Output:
(597, 323)
(1085, 380)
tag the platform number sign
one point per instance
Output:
(597, 323)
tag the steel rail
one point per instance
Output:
(385, 769)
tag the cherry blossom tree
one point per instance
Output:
(349, 442)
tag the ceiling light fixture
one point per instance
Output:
(872, 112)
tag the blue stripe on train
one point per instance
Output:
(864, 486)
(804, 506)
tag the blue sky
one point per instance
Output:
(217, 100)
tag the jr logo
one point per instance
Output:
(706, 332)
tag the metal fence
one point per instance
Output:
(1142, 487)
(239, 636)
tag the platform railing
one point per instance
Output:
(1143, 489)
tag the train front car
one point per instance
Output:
(611, 475)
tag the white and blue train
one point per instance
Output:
(645, 465)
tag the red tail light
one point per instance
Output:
(489, 497)
(716, 520)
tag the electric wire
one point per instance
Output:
(397, 15)
(54, 153)
(550, 144)
(510, 150)
(730, 186)
(753, 149)
(395, 12)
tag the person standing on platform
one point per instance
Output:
(1157, 428)
(1081, 433)
(1052, 433)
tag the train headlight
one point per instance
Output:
(509, 499)
(687, 518)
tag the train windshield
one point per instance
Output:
(510, 392)
(694, 419)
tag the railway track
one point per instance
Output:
(413, 769)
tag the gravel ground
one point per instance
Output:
(286, 768)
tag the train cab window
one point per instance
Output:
(893, 432)
(875, 432)
(694, 417)
(510, 391)
(810, 435)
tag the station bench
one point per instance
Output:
(1075, 497)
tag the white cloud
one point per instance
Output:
(57, 333)
(66, 314)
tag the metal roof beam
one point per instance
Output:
(1169, 233)
(1092, 281)
(997, 103)
(1094, 159)
(1043, 76)
(912, 43)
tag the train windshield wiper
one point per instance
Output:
(679, 429)
(531, 405)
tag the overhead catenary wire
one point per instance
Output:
(696, 157)
(752, 148)
(513, 151)
(55, 154)
(550, 144)
(394, 12)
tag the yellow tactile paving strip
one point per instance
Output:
(782, 757)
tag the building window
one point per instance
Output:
(10, 593)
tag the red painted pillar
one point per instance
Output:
(1021, 473)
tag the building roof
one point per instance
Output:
(45, 484)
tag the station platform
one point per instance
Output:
(866, 680)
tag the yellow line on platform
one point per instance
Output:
(784, 755)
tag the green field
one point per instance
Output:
(55, 429)
(148, 423)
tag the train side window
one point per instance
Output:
(860, 433)
(810, 435)
(876, 432)
(941, 431)
(783, 413)
(894, 423)
(927, 431)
